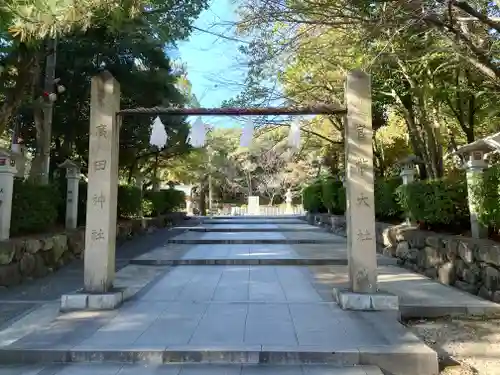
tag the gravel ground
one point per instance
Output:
(465, 347)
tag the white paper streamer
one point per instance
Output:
(197, 133)
(247, 134)
(158, 134)
(294, 135)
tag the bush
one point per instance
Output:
(435, 202)
(165, 201)
(129, 201)
(386, 204)
(312, 197)
(333, 196)
(34, 207)
(487, 197)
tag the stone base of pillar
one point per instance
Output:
(81, 301)
(348, 300)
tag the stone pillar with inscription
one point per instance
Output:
(73, 180)
(100, 233)
(7, 172)
(360, 211)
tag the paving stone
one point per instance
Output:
(269, 324)
(221, 324)
(265, 285)
(175, 326)
(21, 369)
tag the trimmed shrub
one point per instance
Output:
(129, 201)
(333, 196)
(312, 197)
(34, 207)
(435, 202)
(386, 204)
(164, 201)
(487, 197)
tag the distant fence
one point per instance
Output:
(263, 210)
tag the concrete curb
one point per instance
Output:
(393, 359)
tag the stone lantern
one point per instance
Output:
(73, 175)
(7, 172)
(408, 168)
(474, 153)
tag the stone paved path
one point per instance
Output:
(233, 314)
(19, 300)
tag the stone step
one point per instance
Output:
(249, 261)
(242, 262)
(268, 241)
(250, 229)
(395, 359)
(253, 217)
(189, 369)
(253, 221)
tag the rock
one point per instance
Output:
(402, 249)
(434, 242)
(47, 243)
(388, 238)
(484, 293)
(446, 273)
(450, 248)
(7, 251)
(431, 272)
(389, 251)
(415, 238)
(488, 253)
(496, 296)
(432, 257)
(32, 245)
(76, 241)
(471, 274)
(60, 246)
(40, 267)
(491, 278)
(413, 255)
(10, 275)
(459, 267)
(466, 251)
(27, 264)
(466, 287)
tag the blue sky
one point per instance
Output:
(215, 67)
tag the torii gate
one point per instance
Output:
(100, 233)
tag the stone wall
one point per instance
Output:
(36, 256)
(469, 264)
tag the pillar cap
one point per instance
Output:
(69, 164)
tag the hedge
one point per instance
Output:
(312, 197)
(432, 203)
(333, 196)
(386, 205)
(163, 201)
(435, 202)
(37, 208)
(34, 207)
(487, 197)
